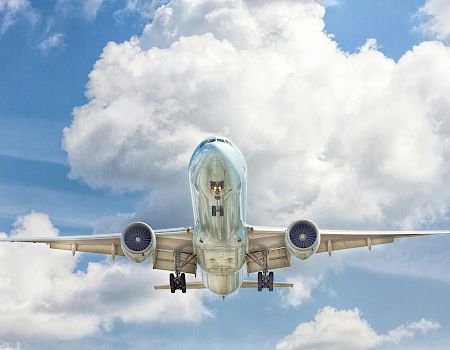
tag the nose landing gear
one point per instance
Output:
(217, 188)
(216, 208)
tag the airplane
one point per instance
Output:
(220, 241)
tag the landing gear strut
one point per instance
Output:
(265, 278)
(177, 281)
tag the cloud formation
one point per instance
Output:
(51, 42)
(91, 7)
(43, 295)
(438, 19)
(345, 139)
(12, 10)
(346, 330)
(145, 10)
(7, 346)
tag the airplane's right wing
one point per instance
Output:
(171, 244)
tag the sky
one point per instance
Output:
(341, 108)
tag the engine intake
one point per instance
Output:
(302, 239)
(138, 241)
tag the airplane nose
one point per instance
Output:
(214, 153)
(215, 160)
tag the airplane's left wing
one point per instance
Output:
(331, 240)
(271, 241)
(168, 241)
(266, 244)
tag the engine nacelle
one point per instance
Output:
(302, 239)
(138, 241)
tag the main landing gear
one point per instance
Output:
(177, 281)
(265, 278)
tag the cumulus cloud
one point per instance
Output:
(345, 139)
(42, 294)
(347, 330)
(12, 10)
(437, 23)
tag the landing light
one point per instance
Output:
(216, 186)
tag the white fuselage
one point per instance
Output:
(218, 180)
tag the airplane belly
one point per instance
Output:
(221, 260)
(223, 284)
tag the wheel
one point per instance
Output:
(183, 283)
(172, 283)
(221, 211)
(260, 281)
(214, 210)
(270, 281)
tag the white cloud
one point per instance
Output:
(406, 257)
(87, 9)
(51, 42)
(347, 140)
(144, 9)
(302, 290)
(334, 329)
(43, 295)
(437, 23)
(12, 10)
(309, 278)
(8, 346)
(329, 3)
(410, 330)
(351, 139)
(91, 7)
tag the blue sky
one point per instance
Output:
(41, 85)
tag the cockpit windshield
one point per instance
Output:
(214, 139)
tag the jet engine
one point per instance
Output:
(302, 239)
(138, 241)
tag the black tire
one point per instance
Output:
(260, 281)
(214, 210)
(221, 211)
(183, 283)
(270, 281)
(172, 283)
